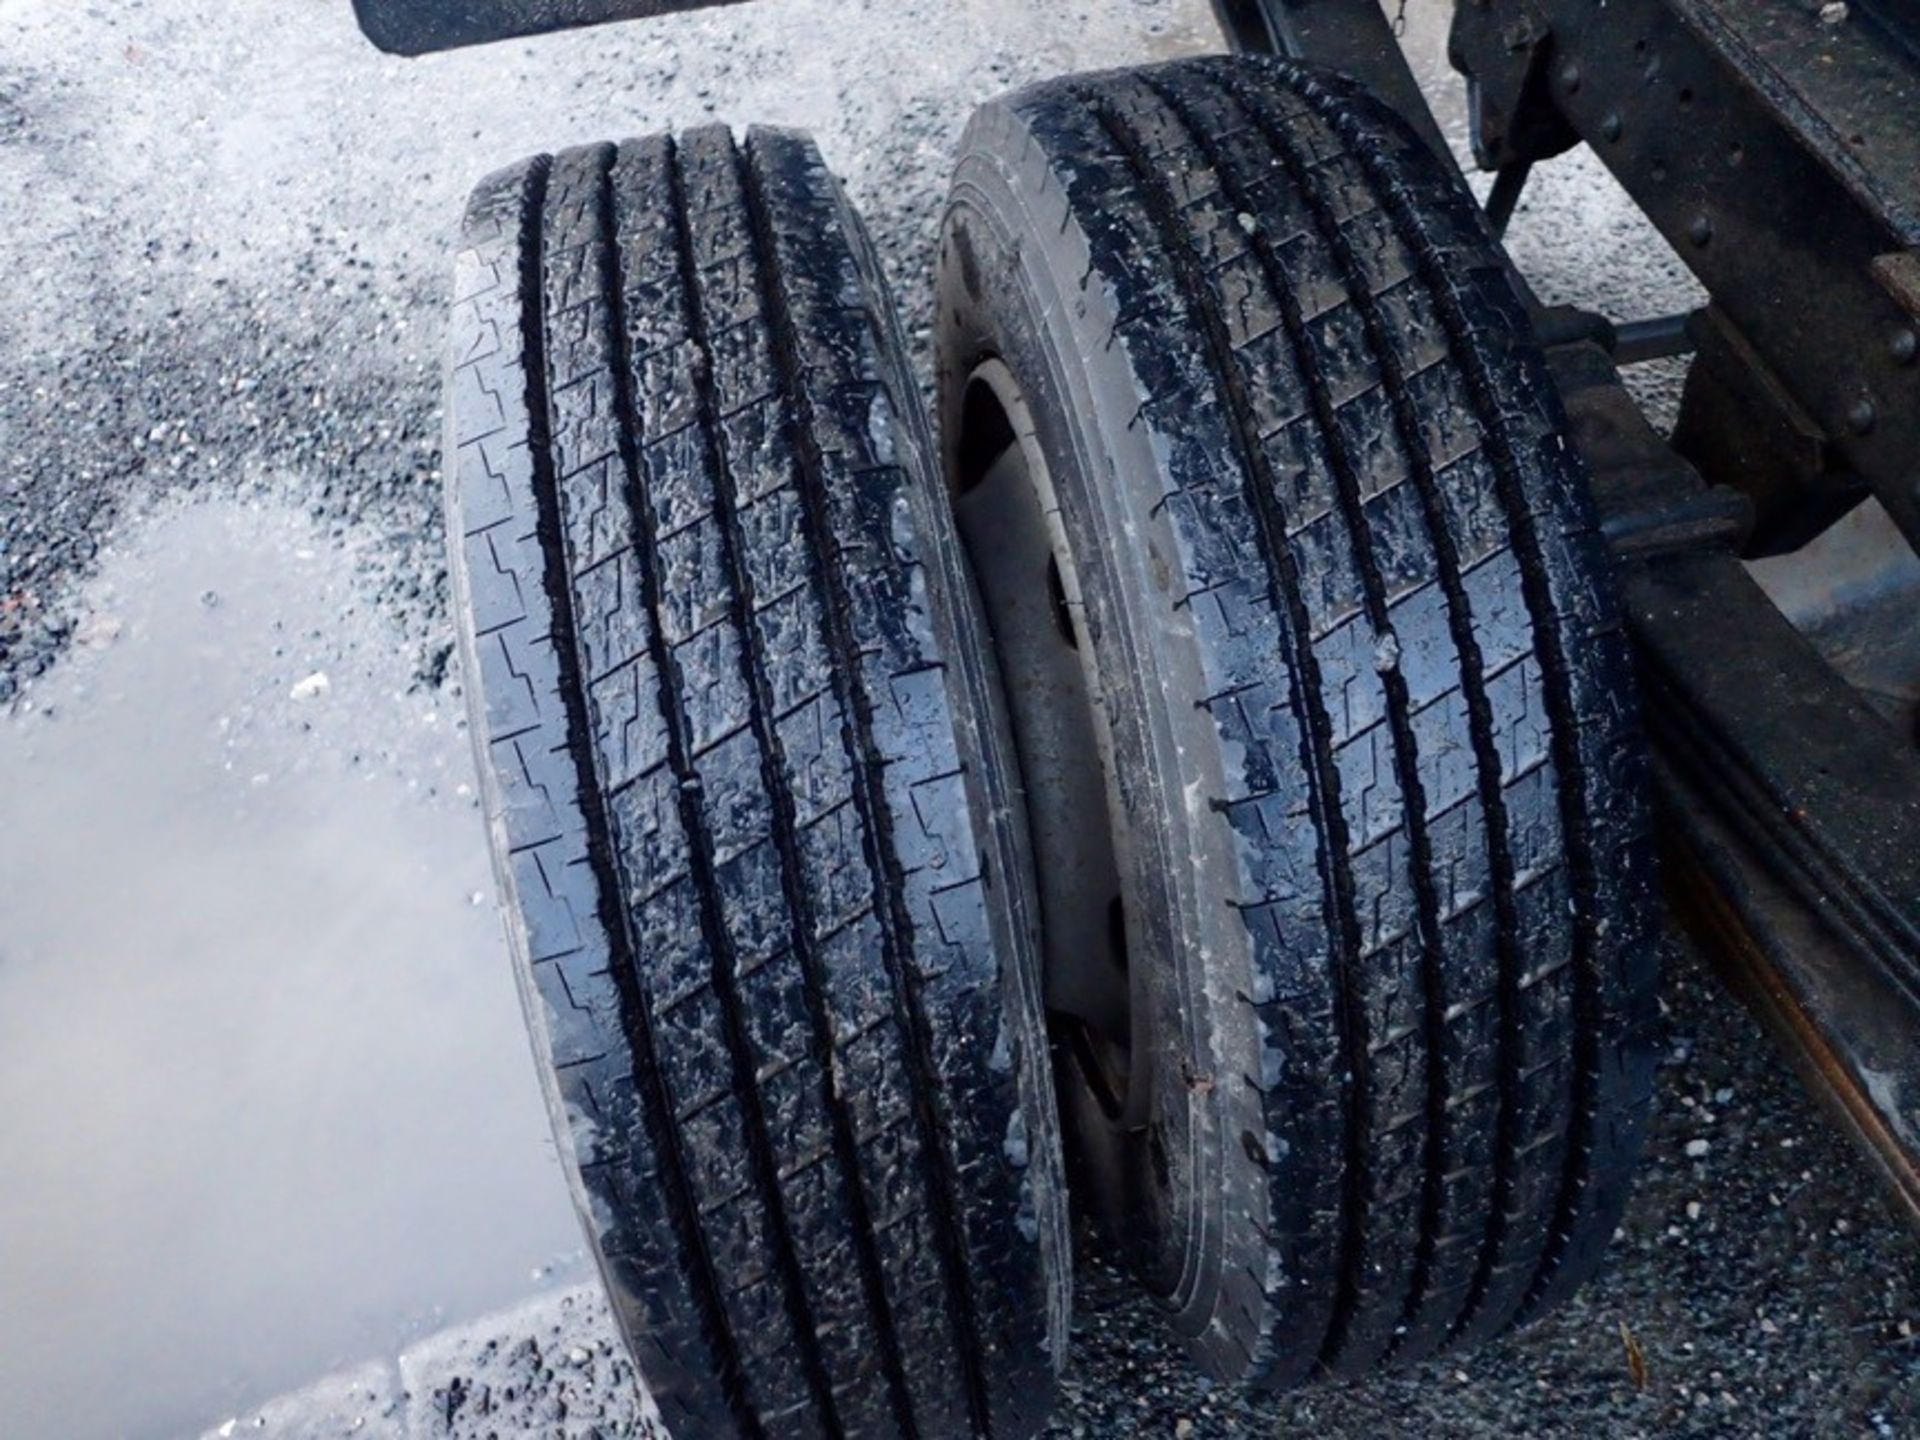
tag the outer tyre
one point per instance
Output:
(749, 800)
(1381, 790)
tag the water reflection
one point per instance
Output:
(265, 1103)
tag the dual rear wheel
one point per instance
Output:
(1218, 752)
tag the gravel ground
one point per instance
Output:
(227, 257)
(232, 257)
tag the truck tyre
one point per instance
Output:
(1240, 362)
(749, 801)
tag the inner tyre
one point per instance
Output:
(752, 808)
(1379, 794)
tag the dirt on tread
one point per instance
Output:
(767, 907)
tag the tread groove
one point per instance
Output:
(1309, 696)
(1361, 538)
(1480, 727)
(701, 860)
(868, 788)
(1556, 669)
(845, 1146)
(622, 942)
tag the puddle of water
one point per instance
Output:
(266, 1106)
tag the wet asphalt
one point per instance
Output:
(226, 254)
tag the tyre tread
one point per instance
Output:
(1455, 970)
(718, 497)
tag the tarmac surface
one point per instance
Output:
(227, 257)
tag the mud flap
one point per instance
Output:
(418, 27)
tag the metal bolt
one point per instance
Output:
(1904, 346)
(1570, 76)
(1610, 126)
(1861, 417)
(1701, 230)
